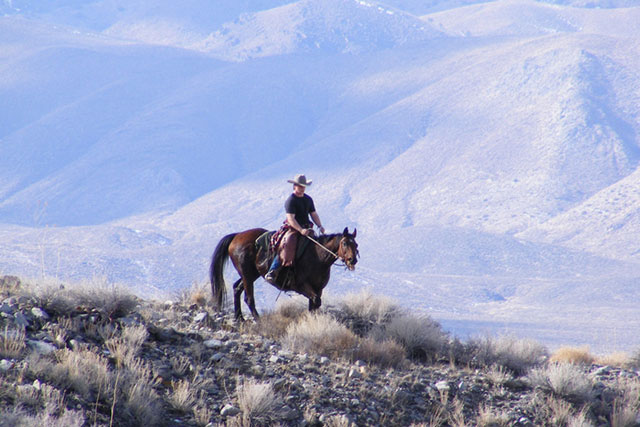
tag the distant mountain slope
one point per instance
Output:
(347, 26)
(606, 224)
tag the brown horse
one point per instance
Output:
(308, 276)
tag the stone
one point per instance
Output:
(442, 386)
(21, 320)
(7, 309)
(6, 365)
(39, 313)
(213, 344)
(229, 411)
(41, 347)
(201, 317)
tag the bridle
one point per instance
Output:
(336, 256)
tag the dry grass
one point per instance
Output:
(517, 355)
(562, 379)
(370, 308)
(626, 406)
(83, 371)
(499, 375)
(320, 334)
(488, 417)
(112, 300)
(421, 336)
(126, 347)
(143, 403)
(387, 353)
(619, 360)
(274, 324)
(12, 342)
(20, 417)
(183, 396)
(198, 293)
(258, 403)
(575, 355)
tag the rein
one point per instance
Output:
(322, 246)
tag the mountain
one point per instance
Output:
(486, 152)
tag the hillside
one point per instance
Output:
(487, 152)
(72, 356)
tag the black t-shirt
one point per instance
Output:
(301, 207)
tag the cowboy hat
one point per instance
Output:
(300, 180)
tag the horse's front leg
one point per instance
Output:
(237, 306)
(315, 298)
(314, 303)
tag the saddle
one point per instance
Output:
(266, 253)
(263, 245)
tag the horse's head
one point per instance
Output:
(348, 248)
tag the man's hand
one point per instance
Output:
(321, 228)
(306, 231)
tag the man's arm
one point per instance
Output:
(316, 219)
(291, 220)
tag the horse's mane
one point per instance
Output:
(328, 237)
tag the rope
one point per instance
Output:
(319, 244)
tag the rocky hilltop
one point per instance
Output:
(96, 355)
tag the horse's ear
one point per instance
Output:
(355, 231)
(346, 231)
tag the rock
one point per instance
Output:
(213, 344)
(21, 320)
(7, 309)
(604, 370)
(41, 347)
(274, 359)
(442, 386)
(6, 365)
(201, 317)
(229, 411)
(39, 313)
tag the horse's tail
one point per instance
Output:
(218, 261)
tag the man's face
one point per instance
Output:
(298, 189)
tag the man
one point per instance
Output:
(298, 207)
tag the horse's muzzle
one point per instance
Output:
(351, 263)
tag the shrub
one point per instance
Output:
(274, 324)
(320, 334)
(56, 299)
(387, 353)
(126, 347)
(258, 403)
(12, 342)
(619, 359)
(562, 379)
(82, 371)
(421, 336)
(575, 355)
(183, 397)
(365, 310)
(627, 405)
(198, 294)
(517, 355)
(488, 417)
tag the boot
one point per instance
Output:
(272, 274)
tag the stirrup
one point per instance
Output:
(271, 276)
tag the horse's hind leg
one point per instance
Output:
(237, 305)
(249, 299)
